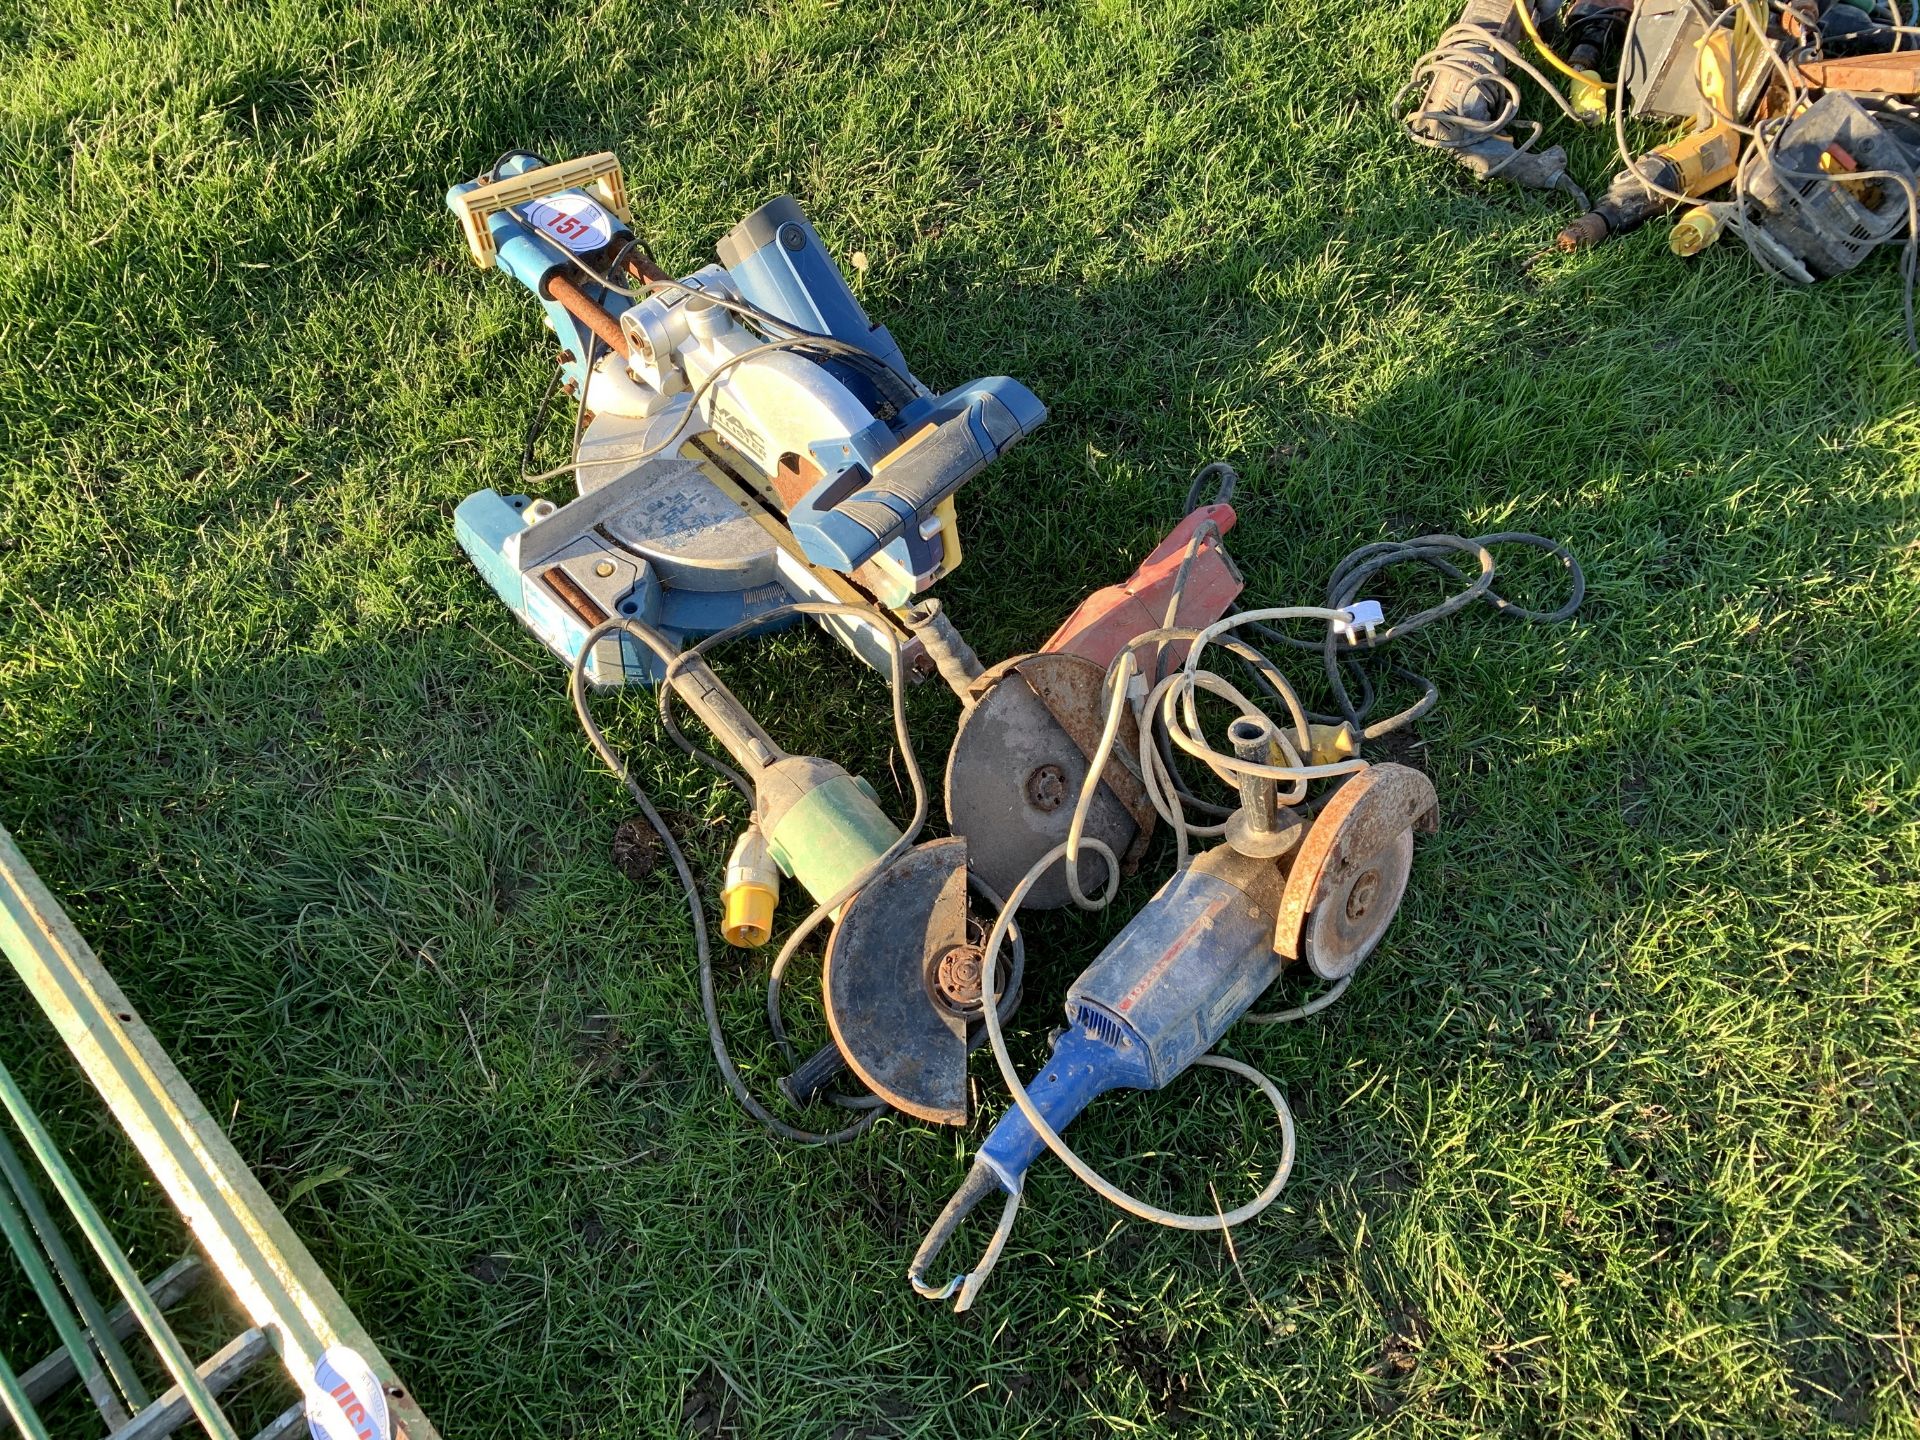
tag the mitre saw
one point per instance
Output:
(746, 436)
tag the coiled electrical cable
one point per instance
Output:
(1466, 52)
(1344, 653)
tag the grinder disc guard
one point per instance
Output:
(1350, 873)
(894, 1022)
(1017, 766)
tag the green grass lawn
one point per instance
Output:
(1617, 1135)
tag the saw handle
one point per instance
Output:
(981, 1182)
(845, 521)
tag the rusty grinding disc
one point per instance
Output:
(895, 983)
(1016, 769)
(1350, 872)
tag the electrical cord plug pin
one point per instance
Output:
(1363, 617)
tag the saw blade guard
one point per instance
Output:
(895, 983)
(1019, 760)
(778, 262)
(869, 499)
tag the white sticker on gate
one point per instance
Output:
(345, 1401)
(575, 221)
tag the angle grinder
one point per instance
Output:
(1032, 723)
(901, 974)
(1186, 967)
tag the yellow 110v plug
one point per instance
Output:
(751, 892)
(1589, 95)
(1699, 228)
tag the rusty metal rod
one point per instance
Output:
(588, 312)
(640, 267)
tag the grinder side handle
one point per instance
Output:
(720, 711)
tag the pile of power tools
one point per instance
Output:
(749, 449)
(1799, 114)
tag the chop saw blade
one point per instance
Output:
(1017, 766)
(1350, 873)
(896, 978)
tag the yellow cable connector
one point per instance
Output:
(751, 892)
(1590, 97)
(1698, 228)
(1331, 743)
(1588, 91)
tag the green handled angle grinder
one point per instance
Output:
(901, 977)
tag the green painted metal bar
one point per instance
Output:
(71, 1275)
(218, 1372)
(114, 1258)
(53, 1374)
(65, 1323)
(245, 1237)
(13, 1397)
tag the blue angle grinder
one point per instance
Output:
(1186, 967)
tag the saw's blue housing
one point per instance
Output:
(879, 493)
(484, 522)
(779, 264)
